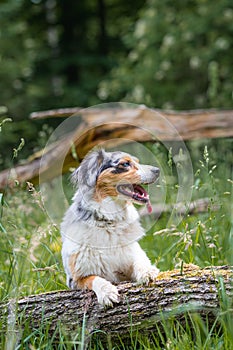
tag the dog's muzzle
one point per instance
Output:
(148, 175)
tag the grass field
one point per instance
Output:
(30, 260)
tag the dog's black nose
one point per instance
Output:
(156, 171)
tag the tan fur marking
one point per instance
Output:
(86, 282)
(107, 181)
(81, 282)
(72, 263)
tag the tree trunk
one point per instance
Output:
(115, 126)
(176, 292)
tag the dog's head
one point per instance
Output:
(115, 174)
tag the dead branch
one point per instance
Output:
(189, 124)
(116, 126)
(56, 113)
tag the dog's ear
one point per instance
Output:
(89, 169)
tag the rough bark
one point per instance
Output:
(116, 126)
(141, 307)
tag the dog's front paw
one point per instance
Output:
(106, 292)
(145, 276)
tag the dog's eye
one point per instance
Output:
(125, 164)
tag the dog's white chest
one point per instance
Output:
(105, 251)
(111, 262)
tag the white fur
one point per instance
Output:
(106, 243)
(106, 292)
(108, 251)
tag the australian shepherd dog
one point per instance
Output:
(101, 228)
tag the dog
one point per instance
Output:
(101, 228)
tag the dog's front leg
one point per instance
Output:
(106, 292)
(143, 271)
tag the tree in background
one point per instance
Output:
(172, 54)
(55, 53)
(167, 54)
(179, 56)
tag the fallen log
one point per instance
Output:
(209, 123)
(176, 292)
(115, 126)
(200, 205)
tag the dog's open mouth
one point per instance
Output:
(137, 193)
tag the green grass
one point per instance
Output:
(30, 259)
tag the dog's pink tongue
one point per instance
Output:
(149, 207)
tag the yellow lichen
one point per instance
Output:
(191, 270)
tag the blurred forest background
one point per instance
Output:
(165, 54)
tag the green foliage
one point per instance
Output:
(198, 238)
(160, 53)
(77, 53)
(55, 53)
(30, 254)
(164, 54)
(179, 56)
(10, 138)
